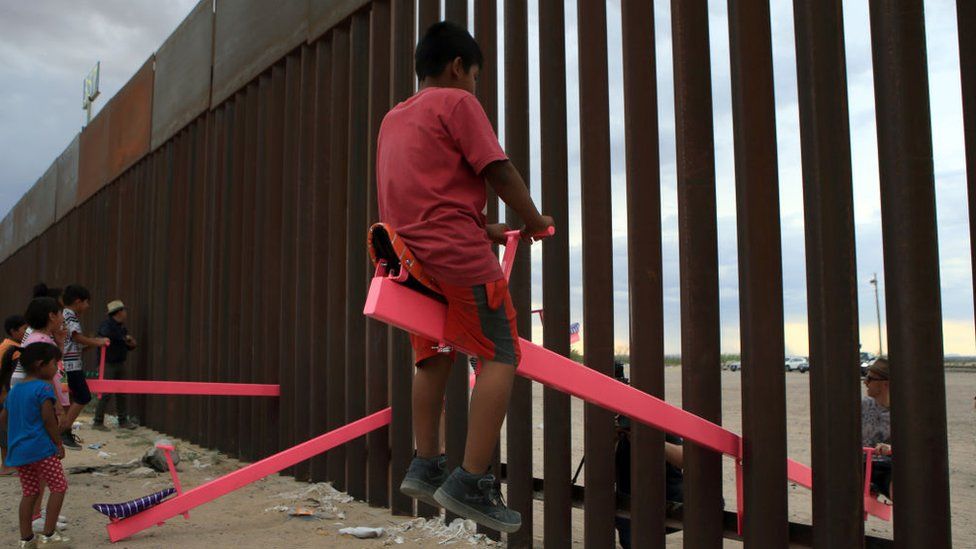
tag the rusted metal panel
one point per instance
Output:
(130, 121)
(67, 179)
(701, 386)
(428, 13)
(828, 201)
(93, 156)
(760, 276)
(911, 254)
(325, 14)
(486, 33)
(249, 360)
(181, 90)
(250, 36)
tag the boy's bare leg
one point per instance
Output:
(429, 385)
(54, 503)
(489, 403)
(26, 515)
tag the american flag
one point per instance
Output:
(574, 333)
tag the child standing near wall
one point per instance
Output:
(77, 300)
(14, 327)
(434, 153)
(35, 442)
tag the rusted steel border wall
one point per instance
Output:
(224, 194)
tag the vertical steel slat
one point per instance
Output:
(259, 321)
(600, 500)
(400, 353)
(701, 384)
(377, 398)
(428, 13)
(911, 254)
(760, 276)
(558, 519)
(519, 420)
(356, 271)
(486, 33)
(177, 287)
(235, 244)
(274, 204)
(289, 251)
(336, 338)
(228, 218)
(644, 251)
(966, 21)
(306, 238)
(320, 227)
(248, 289)
(835, 391)
(215, 211)
(197, 211)
(456, 11)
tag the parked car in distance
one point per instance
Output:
(734, 366)
(797, 364)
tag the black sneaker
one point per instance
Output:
(477, 497)
(424, 477)
(70, 441)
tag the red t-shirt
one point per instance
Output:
(430, 154)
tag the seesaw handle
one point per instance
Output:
(511, 246)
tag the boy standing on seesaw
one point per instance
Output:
(434, 153)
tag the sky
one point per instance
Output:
(46, 49)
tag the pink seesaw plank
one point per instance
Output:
(183, 388)
(395, 304)
(238, 479)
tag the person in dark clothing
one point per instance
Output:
(673, 455)
(113, 327)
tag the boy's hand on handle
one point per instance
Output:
(496, 232)
(540, 226)
(60, 454)
(104, 341)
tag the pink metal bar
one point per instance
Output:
(508, 258)
(168, 450)
(872, 506)
(246, 475)
(184, 388)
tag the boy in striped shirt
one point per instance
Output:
(77, 300)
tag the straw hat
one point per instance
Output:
(115, 306)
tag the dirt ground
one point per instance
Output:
(260, 515)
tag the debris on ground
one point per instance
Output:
(458, 531)
(142, 472)
(96, 446)
(107, 469)
(362, 532)
(156, 457)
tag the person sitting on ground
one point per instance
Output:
(113, 328)
(77, 300)
(35, 442)
(434, 152)
(876, 424)
(14, 327)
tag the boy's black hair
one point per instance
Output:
(35, 355)
(41, 290)
(443, 43)
(74, 293)
(38, 311)
(12, 323)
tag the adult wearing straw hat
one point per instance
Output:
(113, 327)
